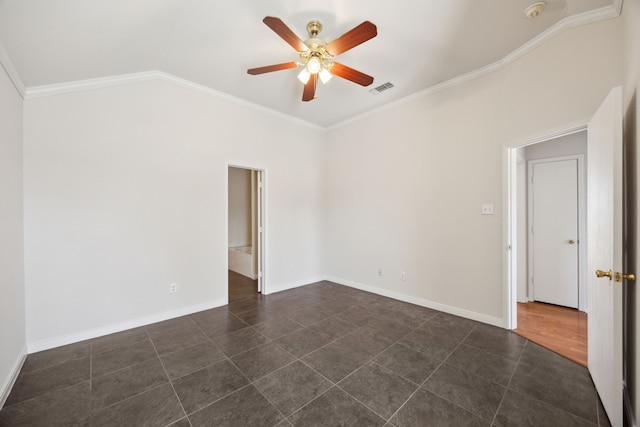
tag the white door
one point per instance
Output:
(604, 222)
(554, 231)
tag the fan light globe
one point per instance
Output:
(304, 76)
(325, 75)
(314, 66)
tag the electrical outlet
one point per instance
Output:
(380, 272)
(290, 267)
(173, 288)
(403, 276)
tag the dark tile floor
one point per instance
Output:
(321, 354)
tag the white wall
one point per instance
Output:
(575, 143)
(239, 207)
(12, 299)
(631, 91)
(406, 184)
(126, 193)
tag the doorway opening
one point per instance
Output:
(547, 231)
(245, 232)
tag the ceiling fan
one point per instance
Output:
(316, 56)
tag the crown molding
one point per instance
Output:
(7, 64)
(89, 84)
(585, 18)
(105, 82)
(603, 13)
(596, 15)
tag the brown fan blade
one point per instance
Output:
(353, 38)
(270, 68)
(309, 92)
(281, 29)
(351, 74)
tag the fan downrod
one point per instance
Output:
(314, 28)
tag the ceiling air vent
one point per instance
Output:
(381, 88)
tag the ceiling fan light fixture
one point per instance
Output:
(316, 56)
(314, 65)
(304, 76)
(325, 75)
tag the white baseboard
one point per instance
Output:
(46, 344)
(8, 384)
(119, 327)
(495, 321)
(273, 288)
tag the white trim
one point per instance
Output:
(590, 17)
(7, 64)
(559, 132)
(8, 385)
(90, 84)
(119, 327)
(509, 228)
(617, 5)
(569, 22)
(495, 321)
(105, 82)
(510, 290)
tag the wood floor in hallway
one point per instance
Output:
(241, 287)
(560, 329)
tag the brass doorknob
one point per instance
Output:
(571, 241)
(619, 277)
(601, 273)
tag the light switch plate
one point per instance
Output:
(487, 209)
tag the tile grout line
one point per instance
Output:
(260, 391)
(333, 384)
(250, 383)
(120, 369)
(164, 369)
(362, 403)
(420, 386)
(227, 357)
(506, 389)
(547, 404)
(366, 362)
(296, 359)
(336, 384)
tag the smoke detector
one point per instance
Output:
(535, 9)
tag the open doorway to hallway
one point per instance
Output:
(245, 231)
(548, 194)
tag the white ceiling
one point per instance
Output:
(420, 44)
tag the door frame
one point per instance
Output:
(262, 210)
(510, 216)
(582, 226)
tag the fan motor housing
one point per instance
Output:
(313, 28)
